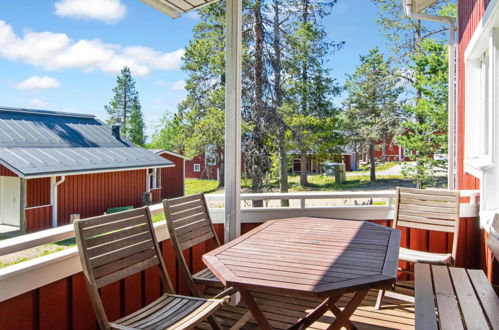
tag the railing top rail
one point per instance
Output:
(27, 241)
(306, 195)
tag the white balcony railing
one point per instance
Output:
(35, 273)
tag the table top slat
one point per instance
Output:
(487, 296)
(426, 318)
(448, 309)
(473, 315)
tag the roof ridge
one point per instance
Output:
(46, 112)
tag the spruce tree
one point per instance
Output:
(120, 106)
(372, 109)
(136, 125)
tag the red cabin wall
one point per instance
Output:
(91, 194)
(4, 171)
(206, 172)
(172, 178)
(470, 12)
(37, 192)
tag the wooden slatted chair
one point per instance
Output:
(493, 239)
(115, 246)
(189, 223)
(433, 210)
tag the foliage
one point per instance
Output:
(427, 129)
(136, 125)
(308, 110)
(125, 98)
(372, 108)
(167, 134)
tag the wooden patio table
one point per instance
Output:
(318, 257)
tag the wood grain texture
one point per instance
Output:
(313, 256)
(462, 298)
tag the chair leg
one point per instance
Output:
(214, 323)
(379, 300)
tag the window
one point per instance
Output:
(197, 167)
(407, 153)
(210, 155)
(480, 102)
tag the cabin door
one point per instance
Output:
(10, 188)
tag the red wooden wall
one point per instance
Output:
(91, 194)
(172, 178)
(470, 12)
(4, 171)
(206, 172)
(37, 192)
(38, 218)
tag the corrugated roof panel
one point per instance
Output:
(34, 162)
(36, 143)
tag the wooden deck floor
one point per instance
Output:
(283, 311)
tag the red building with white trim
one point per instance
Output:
(54, 165)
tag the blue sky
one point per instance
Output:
(63, 54)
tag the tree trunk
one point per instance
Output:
(303, 169)
(372, 161)
(283, 168)
(281, 138)
(221, 171)
(258, 169)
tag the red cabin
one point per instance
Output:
(55, 166)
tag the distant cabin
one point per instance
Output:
(56, 165)
(172, 179)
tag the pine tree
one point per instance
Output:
(311, 89)
(136, 125)
(372, 109)
(120, 106)
(428, 124)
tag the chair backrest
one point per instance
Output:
(189, 223)
(493, 240)
(435, 210)
(115, 246)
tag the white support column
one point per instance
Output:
(232, 155)
(452, 124)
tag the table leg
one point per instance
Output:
(343, 317)
(315, 314)
(255, 310)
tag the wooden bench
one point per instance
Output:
(457, 298)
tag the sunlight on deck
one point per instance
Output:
(283, 311)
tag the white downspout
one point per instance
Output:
(148, 180)
(54, 184)
(408, 7)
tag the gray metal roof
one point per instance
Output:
(36, 143)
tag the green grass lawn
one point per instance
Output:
(379, 167)
(196, 186)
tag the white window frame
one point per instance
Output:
(481, 105)
(407, 153)
(210, 155)
(481, 162)
(197, 167)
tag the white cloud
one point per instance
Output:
(53, 51)
(193, 14)
(37, 103)
(178, 85)
(160, 82)
(109, 11)
(36, 83)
